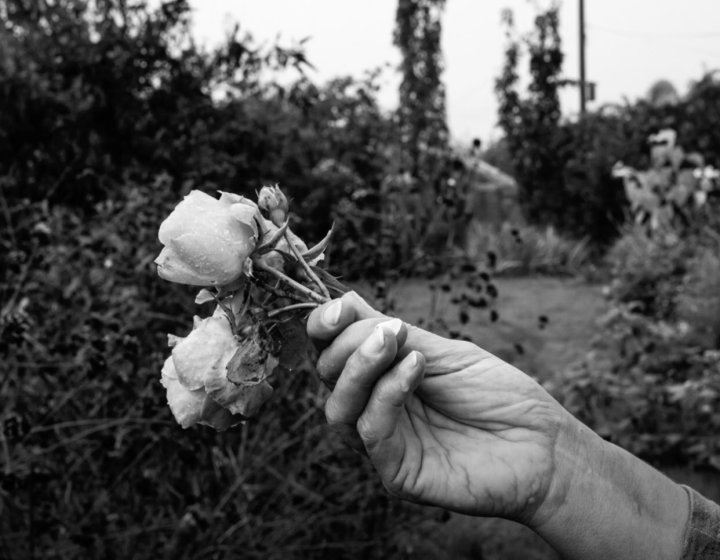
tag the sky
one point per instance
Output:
(630, 44)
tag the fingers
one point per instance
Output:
(334, 359)
(368, 398)
(331, 318)
(361, 372)
(377, 425)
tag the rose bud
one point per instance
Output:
(207, 241)
(274, 203)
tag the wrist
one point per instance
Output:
(605, 503)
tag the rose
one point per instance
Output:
(193, 407)
(196, 376)
(208, 241)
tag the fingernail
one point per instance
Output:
(393, 325)
(331, 315)
(412, 359)
(375, 342)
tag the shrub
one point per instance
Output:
(646, 389)
(651, 383)
(92, 463)
(699, 304)
(648, 272)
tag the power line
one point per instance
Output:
(657, 34)
(650, 36)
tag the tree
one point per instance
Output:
(531, 123)
(94, 90)
(563, 169)
(422, 118)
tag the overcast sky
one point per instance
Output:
(630, 44)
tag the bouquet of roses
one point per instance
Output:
(264, 280)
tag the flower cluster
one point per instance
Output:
(263, 279)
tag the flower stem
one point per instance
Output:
(306, 267)
(293, 307)
(294, 283)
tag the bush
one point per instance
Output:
(648, 272)
(93, 465)
(651, 383)
(649, 391)
(699, 304)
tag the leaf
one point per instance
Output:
(269, 245)
(204, 296)
(244, 399)
(244, 389)
(314, 254)
(248, 363)
(292, 346)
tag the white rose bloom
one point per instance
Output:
(207, 241)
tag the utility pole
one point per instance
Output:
(583, 91)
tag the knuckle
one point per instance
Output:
(396, 489)
(325, 369)
(332, 413)
(366, 430)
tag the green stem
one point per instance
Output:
(293, 307)
(306, 267)
(294, 283)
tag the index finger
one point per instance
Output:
(331, 318)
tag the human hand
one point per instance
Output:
(443, 421)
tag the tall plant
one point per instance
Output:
(422, 119)
(531, 123)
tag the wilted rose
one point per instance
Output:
(193, 407)
(196, 377)
(207, 240)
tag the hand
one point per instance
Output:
(444, 422)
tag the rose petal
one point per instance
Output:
(173, 340)
(187, 212)
(186, 406)
(206, 349)
(212, 259)
(232, 198)
(168, 371)
(245, 215)
(172, 268)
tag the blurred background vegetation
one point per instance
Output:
(110, 113)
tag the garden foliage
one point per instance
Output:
(650, 383)
(564, 167)
(109, 114)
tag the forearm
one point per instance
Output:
(611, 505)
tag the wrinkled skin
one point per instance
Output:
(459, 428)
